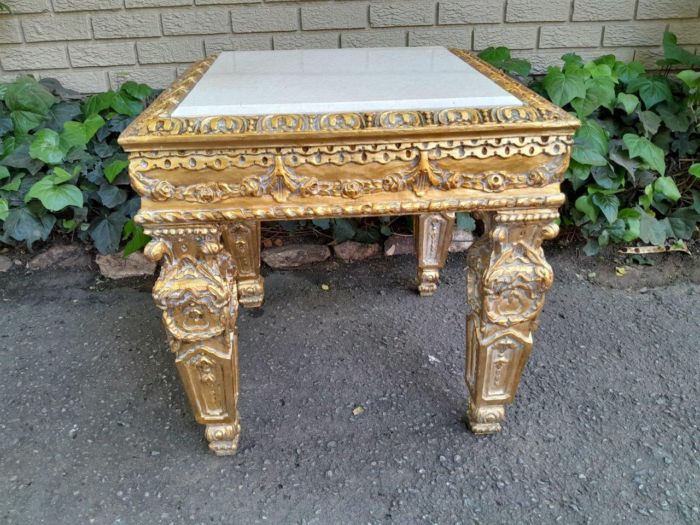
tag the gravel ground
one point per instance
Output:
(95, 427)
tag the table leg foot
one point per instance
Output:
(432, 234)
(507, 277)
(486, 419)
(251, 292)
(223, 439)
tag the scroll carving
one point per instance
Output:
(507, 277)
(196, 291)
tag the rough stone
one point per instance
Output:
(668, 9)
(126, 25)
(47, 28)
(117, 266)
(461, 38)
(399, 245)
(102, 54)
(314, 40)
(261, 19)
(86, 5)
(470, 12)
(356, 251)
(461, 241)
(604, 10)
(637, 34)
(407, 13)
(342, 16)
(16, 58)
(5, 263)
(181, 22)
(383, 38)
(162, 51)
(537, 10)
(513, 36)
(295, 255)
(60, 256)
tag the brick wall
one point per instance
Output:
(91, 45)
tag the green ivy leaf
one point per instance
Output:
(690, 78)
(98, 103)
(683, 222)
(695, 170)
(25, 121)
(675, 55)
(677, 121)
(651, 90)
(53, 193)
(651, 230)
(106, 232)
(628, 102)
(4, 209)
(584, 204)
(46, 147)
(562, 87)
(137, 238)
(13, 185)
(500, 57)
(137, 91)
(667, 187)
(26, 94)
(114, 168)
(324, 224)
(125, 105)
(650, 121)
(24, 225)
(646, 150)
(78, 134)
(587, 156)
(343, 230)
(4, 173)
(628, 71)
(608, 204)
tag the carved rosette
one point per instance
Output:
(196, 291)
(507, 277)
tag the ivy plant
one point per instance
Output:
(61, 170)
(629, 178)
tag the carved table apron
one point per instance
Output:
(207, 180)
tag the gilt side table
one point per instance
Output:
(245, 137)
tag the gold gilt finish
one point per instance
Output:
(206, 183)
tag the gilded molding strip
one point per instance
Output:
(157, 120)
(272, 212)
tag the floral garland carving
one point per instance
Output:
(281, 182)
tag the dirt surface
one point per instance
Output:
(96, 429)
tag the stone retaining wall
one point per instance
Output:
(91, 45)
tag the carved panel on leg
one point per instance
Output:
(242, 240)
(197, 292)
(507, 276)
(433, 233)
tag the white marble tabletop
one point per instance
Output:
(338, 80)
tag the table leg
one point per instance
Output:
(197, 292)
(242, 240)
(433, 234)
(507, 276)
